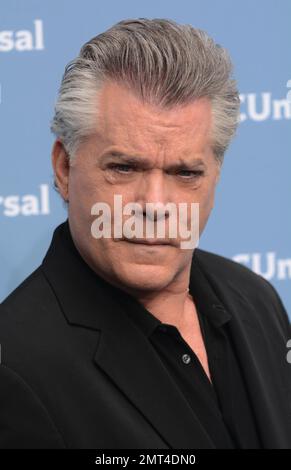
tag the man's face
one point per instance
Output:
(171, 160)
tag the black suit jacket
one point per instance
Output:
(77, 373)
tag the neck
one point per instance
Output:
(169, 304)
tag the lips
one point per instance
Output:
(147, 242)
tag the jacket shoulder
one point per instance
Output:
(221, 265)
(29, 290)
(226, 268)
(29, 318)
(253, 287)
(29, 303)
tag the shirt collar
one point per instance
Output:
(202, 292)
(206, 298)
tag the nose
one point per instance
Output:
(153, 189)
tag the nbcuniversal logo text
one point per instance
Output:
(23, 40)
(26, 205)
(267, 265)
(260, 107)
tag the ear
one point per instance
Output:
(61, 166)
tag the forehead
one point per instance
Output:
(123, 117)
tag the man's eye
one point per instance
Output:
(188, 174)
(121, 168)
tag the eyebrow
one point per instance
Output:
(139, 160)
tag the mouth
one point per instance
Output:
(147, 242)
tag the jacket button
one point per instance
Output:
(186, 358)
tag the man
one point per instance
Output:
(135, 342)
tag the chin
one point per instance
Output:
(145, 277)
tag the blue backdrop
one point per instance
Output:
(251, 220)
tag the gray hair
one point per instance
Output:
(162, 62)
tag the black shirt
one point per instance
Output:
(223, 406)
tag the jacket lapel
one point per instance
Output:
(130, 360)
